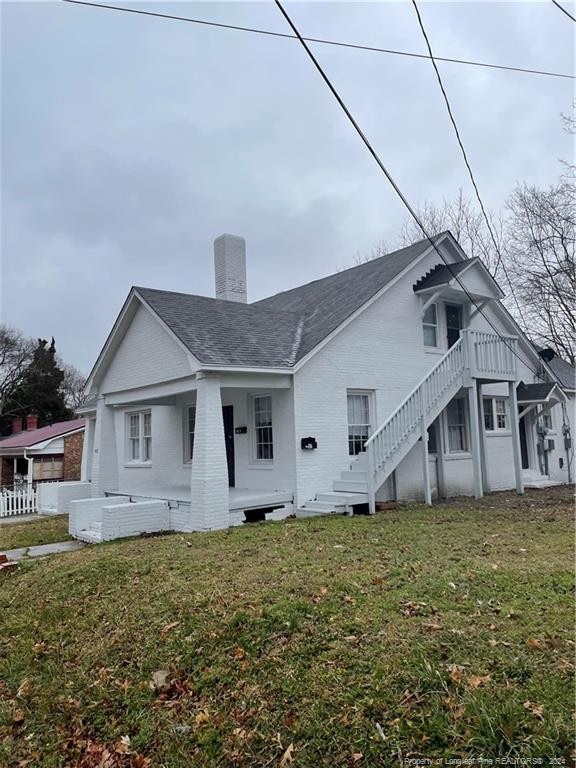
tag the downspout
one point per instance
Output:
(30, 461)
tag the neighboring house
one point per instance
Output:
(316, 399)
(46, 453)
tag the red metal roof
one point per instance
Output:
(27, 439)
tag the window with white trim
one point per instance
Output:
(263, 440)
(457, 431)
(430, 327)
(139, 434)
(495, 414)
(546, 417)
(358, 421)
(189, 429)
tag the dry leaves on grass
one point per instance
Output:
(536, 709)
(477, 681)
(288, 756)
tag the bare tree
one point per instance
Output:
(569, 127)
(466, 223)
(15, 356)
(380, 249)
(72, 386)
(541, 245)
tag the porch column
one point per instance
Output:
(515, 437)
(87, 449)
(484, 464)
(105, 457)
(475, 438)
(426, 464)
(209, 478)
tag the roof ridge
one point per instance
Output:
(364, 265)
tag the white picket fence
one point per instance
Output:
(17, 501)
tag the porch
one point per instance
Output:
(240, 500)
(215, 449)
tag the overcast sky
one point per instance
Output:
(129, 143)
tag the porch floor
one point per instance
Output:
(239, 498)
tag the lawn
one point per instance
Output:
(366, 641)
(29, 533)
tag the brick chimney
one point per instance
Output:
(31, 422)
(16, 425)
(230, 268)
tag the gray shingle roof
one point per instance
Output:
(441, 275)
(282, 329)
(327, 302)
(530, 393)
(221, 332)
(564, 372)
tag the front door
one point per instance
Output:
(453, 323)
(228, 416)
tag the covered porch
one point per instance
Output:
(216, 447)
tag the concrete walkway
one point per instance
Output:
(19, 519)
(42, 550)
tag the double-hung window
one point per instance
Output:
(189, 429)
(358, 421)
(495, 413)
(139, 431)
(263, 442)
(430, 327)
(457, 433)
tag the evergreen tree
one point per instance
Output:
(41, 391)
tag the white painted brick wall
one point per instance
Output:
(68, 492)
(85, 512)
(120, 520)
(381, 350)
(146, 355)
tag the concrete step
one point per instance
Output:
(90, 535)
(354, 475)
(320, 506)
(306, 512)
(339, 499)
(350, 486)
(360, 462)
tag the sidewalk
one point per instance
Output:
(19, 519)
(41, 550)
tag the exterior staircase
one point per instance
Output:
(476, 354)
(350, 489)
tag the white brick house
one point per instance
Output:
(316, 400)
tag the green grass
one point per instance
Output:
(29, 533)
(444, 632)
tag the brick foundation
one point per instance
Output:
(73, 456)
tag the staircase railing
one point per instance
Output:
(492, 355)
(476, 353)
(420, 403)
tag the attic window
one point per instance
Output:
(430, 327)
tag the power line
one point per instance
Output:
(564, 10)
(500, 261)
(340, 44)
(395, 186)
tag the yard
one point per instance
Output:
(415, 633)
(42, 530)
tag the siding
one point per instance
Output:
(382, 350)
(146, 355)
